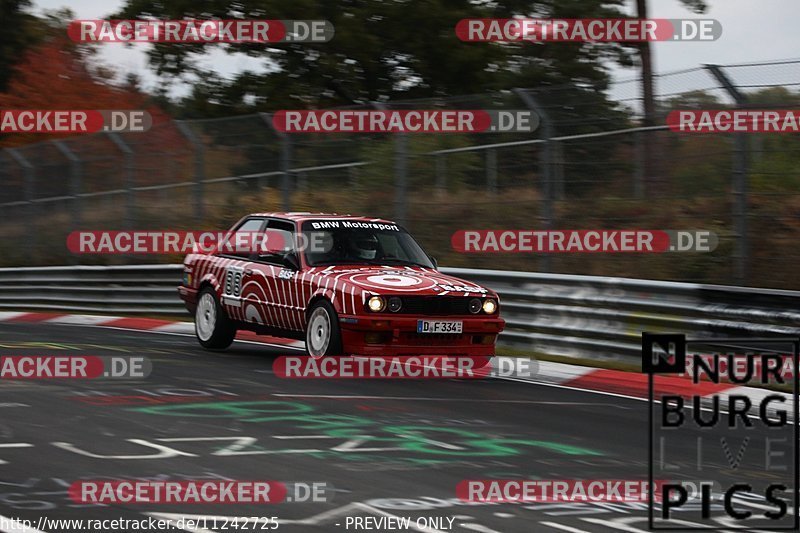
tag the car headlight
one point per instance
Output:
(395, 304)
(475, 306)
(489, 306)
(376, 304)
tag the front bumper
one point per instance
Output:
(393, 335)
(189, 297)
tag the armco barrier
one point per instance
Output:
(139, 289)
(551, 313)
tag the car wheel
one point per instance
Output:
(323, 336)
(213, 328)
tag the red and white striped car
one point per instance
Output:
(343, 284)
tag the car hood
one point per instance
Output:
(417, 281)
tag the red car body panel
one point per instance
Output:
(273, 299)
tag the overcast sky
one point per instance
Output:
(753, 30)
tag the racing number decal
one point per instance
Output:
(233, 281)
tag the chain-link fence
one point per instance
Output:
(591, 164)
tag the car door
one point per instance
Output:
(283, 304)
(239, 297)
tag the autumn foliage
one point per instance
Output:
(57, 75)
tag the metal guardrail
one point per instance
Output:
(603, 317)
(137, 289)
(558, 314)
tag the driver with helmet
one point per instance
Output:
(361, 245)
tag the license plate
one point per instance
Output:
(440, 326)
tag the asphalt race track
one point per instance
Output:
(384, 448)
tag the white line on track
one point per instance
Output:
(14, 445)
(556, 385)
(562, 527)
(528, 381)
(284, 347)
(612, 524)
(478, 527)
(257, 343)
(612, 394)
(411, 525)
(427, 399)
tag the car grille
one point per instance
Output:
(433, 339)
(435, 305)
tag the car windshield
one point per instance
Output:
(338, 242)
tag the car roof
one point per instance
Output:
(297, 216)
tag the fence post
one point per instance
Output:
(400, 177)
(491, 170)
(286, 167)
(558, 169)
(286, 162)
(29, 172)
(400, 172)
(639, 166)
(441, 174)
(546, 166)
(199, 168)
(739, 179)
(75, 181)
(130, 179)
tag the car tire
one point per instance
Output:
(212, 327)
(323, 335)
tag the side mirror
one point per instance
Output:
(434, 261)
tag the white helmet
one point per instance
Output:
(364, 245)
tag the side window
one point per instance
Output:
(280, 243)
(252, 225)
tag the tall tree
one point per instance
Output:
(58, 75)
(19, 32)
(648, 93)
(393, 49)
(645, 52)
